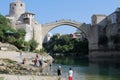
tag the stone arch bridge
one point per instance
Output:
(89, 31)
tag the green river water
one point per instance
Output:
(85, 70)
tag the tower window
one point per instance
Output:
(26, 20)
(21, 5)
(14, 4)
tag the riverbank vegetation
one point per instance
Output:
(65, 45)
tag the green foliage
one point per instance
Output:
(66, 45)
(19, 43)
(32, 44)
(55, 37)
(3, 20)
(27, 46)
(11, 40)
(21, 33)
(36, 51)
(41, 51)
(4, 27)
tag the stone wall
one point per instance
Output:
(109, 56)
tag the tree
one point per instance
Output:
(32, 44)
(21, 33)
(66, 45)
(19, 43)
(4, 27)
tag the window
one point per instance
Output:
(26, 20)
(21, 5)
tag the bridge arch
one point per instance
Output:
(89, 31)
(49, 26)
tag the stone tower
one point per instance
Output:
(97, 18)
(19, 18)
(16, 9)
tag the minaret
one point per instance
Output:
(16, 9)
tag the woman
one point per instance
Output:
(70, 74)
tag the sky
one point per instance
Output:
(52, 10)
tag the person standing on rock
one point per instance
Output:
(50, 66)
(41, 62)
(59, 72)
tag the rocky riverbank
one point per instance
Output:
(11, 67)
(27, 77)
(11, 63)
(8, 66)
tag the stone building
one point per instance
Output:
(19, 18)
(107, 25)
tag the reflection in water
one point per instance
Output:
(88, 71)
(103, 72)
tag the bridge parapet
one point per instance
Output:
(62, 21)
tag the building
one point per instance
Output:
(79, 34)
(108, 25)
(19, 18)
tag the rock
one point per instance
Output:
(8, 47)
(9, 66)
(1, 64)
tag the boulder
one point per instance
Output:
(8, 47)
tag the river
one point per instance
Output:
(85, 70)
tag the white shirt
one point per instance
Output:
(70, 73)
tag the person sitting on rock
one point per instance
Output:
(35, 62)
(24, 61)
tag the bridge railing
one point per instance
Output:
(62, 20)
